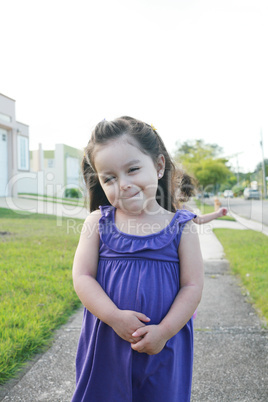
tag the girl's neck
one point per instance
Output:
(144, 223)
(150, 210)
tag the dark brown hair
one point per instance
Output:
(148, 141)
(186, 188)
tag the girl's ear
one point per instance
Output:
(160, 166)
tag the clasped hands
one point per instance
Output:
(129, 325)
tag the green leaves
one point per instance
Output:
(201, 161)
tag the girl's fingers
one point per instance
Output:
(143, 317)
(136, 340)
(140, 332)
(137, 346)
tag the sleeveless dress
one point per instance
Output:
(140, 273)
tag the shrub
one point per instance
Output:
(73, 193)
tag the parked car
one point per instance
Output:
(228, 194)
(250, 194)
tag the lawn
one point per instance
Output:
(36, 290)
(247, 252)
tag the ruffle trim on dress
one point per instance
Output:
(116, 240)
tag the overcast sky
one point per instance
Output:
(194, 68)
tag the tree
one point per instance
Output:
(201, 161)
(196, 150)
(258, 173)
(259, 167)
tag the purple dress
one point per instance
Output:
(140, 273)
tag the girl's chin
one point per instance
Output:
(134, 207)
(131, 205)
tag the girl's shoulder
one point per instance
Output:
(181, 216)
(93, 216)
(91, 223)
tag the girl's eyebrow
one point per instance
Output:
(132, 162)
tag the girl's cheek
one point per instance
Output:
(112, 194)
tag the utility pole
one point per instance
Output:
(263, 169)
(237, 170)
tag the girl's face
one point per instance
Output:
(129, 177)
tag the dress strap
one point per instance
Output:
(106, 210)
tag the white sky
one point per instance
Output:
(194, 68)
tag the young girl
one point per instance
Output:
(186, 189)
(138, 271)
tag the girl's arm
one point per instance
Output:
(186, 301)
(209, 217)
(91, 294)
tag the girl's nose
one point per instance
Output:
(124, 185)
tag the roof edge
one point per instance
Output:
(7, 97)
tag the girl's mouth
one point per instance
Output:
(130, 196)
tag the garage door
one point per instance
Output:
(3, 163)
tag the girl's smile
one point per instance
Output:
(128, 176)
(129, 196)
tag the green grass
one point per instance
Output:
(36, 290)
(207, 209)
(247, 252)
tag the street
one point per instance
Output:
(257, 210)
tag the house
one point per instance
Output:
(57, 170)
(37, 172)
(14, 148)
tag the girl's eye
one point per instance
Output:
(108, 179)
(133, 169)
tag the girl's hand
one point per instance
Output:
(125, 322)
(222, 212)
(151, 340)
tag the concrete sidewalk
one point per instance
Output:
(230, 345)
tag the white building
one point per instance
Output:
(14, 148)
(56, 170)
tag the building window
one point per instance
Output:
(23, 153)
(50, 163)
(5, 117)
